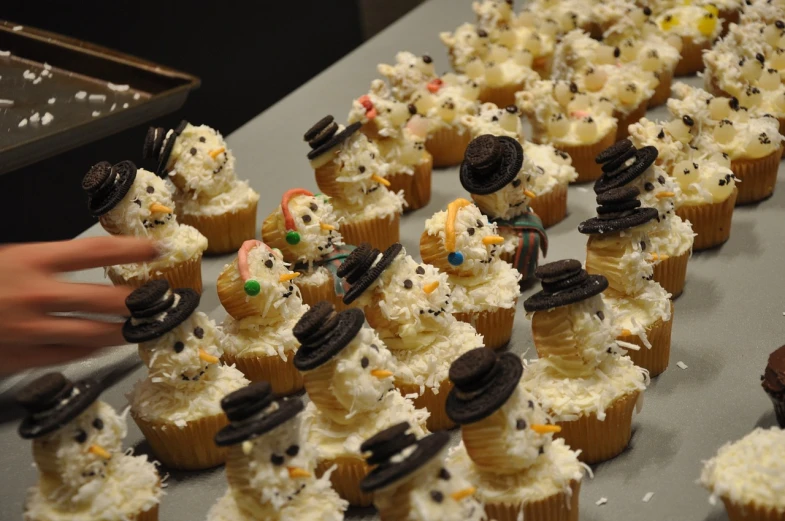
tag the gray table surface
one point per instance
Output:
(729, 318)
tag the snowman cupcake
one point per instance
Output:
(351, 170)
(620, 249)
(508, 450)
(135, 202)
(671, 237)
(78, 450)
(410, 306)
(400, 137)
(581, 378)
(305, 230)
(412, 480)
(442, 100)
(496, 174)
(349, 379)
(698, 25)
(548, 170)
(209, 196)
(259, 294)
(270, 465)
(177, 406)
(463, 243)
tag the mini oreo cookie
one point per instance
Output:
(323, 136)
(616, 163)
(389, 472)
(106, 185)
(388, 443)
(250, 421)
(644, 158)
(476, 361)
(142, 327)
(483, 153)
(318, 127)
(150, 299)
(544, 300)
(168, 146)
(612, 223)
(374, 273)
(52, 401)
(614, 151)
(573, 280)
(153, 142)
(312, 326)
(343, 328)
(558, 269)
(490, 163)
(357, 263)
(335, 140)
(246, 402)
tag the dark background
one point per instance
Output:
(247, 54)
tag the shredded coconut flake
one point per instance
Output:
(23, 123)
(648, 497)
(137, 96)
(681, 365)
(125, 105)
(601, 501)
(96, 113)
(51, 101)
(35, 118)
(47, 119)
(10, 103)
(80, 95)
(5, 53)
(17, 28)
(117, 88)
(97, 97)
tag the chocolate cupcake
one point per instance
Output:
(773, 382)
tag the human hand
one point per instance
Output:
(30, 291)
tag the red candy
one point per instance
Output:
(435, 84)
(370, 111)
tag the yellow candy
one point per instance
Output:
(669, 22)
(707, 24)
(687, 2)
(712, 9)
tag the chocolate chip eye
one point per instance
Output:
(479, 223)
(437, 496)
(531, 404)
(470, 231)
(150, 189)
(444, 474)
(407, 284)
(202, 139)
(521, 424)
(306, 218)
(268, 263)
(364, 362)
(138, 202)
(193, 151)
(643, 245)
(313, 207)
(601, 315)
(420, 270)
(80, 436)
(361, 169)
(516, 183)
(375, 347)
(276, 460)
(199, 333)
(178, 347)
(293, 450)
(98, 423)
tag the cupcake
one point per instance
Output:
(753, 143)
(507, 448)
(620, 249)
(412, 481)
(548, 170)
(400, 137)
(259, 294)
(177, 405)
(582, 379)
(698, 25)
(571, 121)
(442, 100)
(351, 170)
(209, 196)
(135, 202)
(566, 15)
(78, 450)
(747, 476)
(760, 11)
(773, 382)
(463, 243)
(349, 380)
(304, 228)
(670, 238)
(657, 134)
(271, 465)
(410, 307)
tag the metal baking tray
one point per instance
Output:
(58, 93)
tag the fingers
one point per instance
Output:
(88, 298)
(16, 358)
(67, 330)
(94, 252)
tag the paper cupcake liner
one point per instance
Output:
(108, 226)
(416, 187)
(231, 293)
(326, 180)
(394, 507)
(779, 410)
(501, 96)
(282, 375)
(542, 65)
(625, 120)
(553, 339)
(606, 261)
(318, 384)
(186, 274)
(375, 317)
(435, 403)
(711, 221)
(494, 326)
(656, 359)
(189, 448)
(551, 207)
(225, 233)
(663, 90)
(757, 176)
(751, 512)
(380, 232)
(558, 507)
(432, 252)
(274, 236)
(598, 440)
(481, 440)
(712, 85)
(315, 293)
(148, 515)
(728, 16)
(672, 272)
(346, 479)
(691, 57)
(447, 145)
(583, 157)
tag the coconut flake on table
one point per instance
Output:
(23, 123)
(96, 113)
(47, 118)
(6, 102)
(601, 501)
(97, 97)
(648, 497)
(51, 101)
(681, 365)
(80, 95)
(117, 88)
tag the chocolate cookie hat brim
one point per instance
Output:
(633, 219)
(40, 423)
(143, 330)
(489, 180)
(388, 473)
(374, 273)
(542, 300)
(238, 432)
(343, 328)
(335, 140)
(471, 407)
(107, 187)
(169, 142)
(644, 158)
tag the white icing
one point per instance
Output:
(639, 313)
(687, 21)
(409, 74)
(199, 172)
(251, 336)
(239, 197)
(496, 288)
(555, 167)
(309, 214)
(318, 501)
(647, 133)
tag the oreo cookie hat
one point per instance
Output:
(52, 400)
(564, 282)
(622, 164)
(387, 452)
(619, 209)
(158, 145)
(107, 184)
(323, 333)
(253, 411)
(362, 268)
(156, 309)
(324, 135)
(483, 381)
(490, 163)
